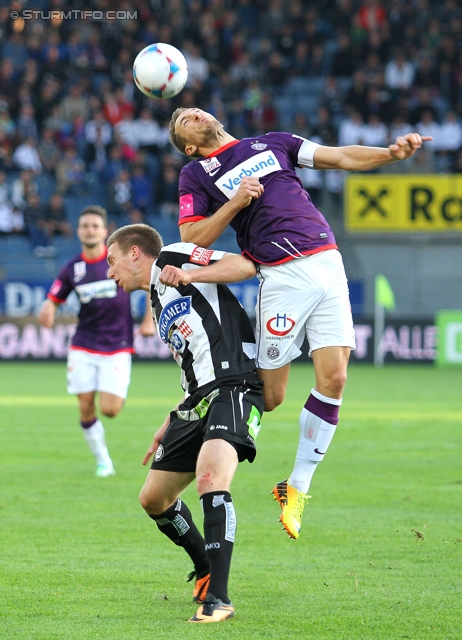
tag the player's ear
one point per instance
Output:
(190, 149)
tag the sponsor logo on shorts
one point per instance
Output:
(273, 353)
(199, 255)
(218, 426)
(159, 453)
(280, 324)
(210, 164)
(258, 166)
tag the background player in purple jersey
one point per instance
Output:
(251, 184)
(99, 358)
(216, 424)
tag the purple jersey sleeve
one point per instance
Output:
(61, 287)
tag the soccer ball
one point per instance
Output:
(160, 71)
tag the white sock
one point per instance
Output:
(315, 437)
(97, 443)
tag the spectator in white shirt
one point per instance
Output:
(399, 72)
(98, 130)
(427, 126)
(148, 131)
(351, 130)
(127, 129)
(374, 132)
(198, 67)
(450, 133)
(26, 156)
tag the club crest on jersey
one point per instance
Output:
(258, 146)
(279, 325)
(80, 271)
(171, 313)
(210, 165)
(200, 255)
(177, 336)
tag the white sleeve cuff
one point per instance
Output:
(306, 154)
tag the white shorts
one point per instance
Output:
(307, 296)
(95, 372)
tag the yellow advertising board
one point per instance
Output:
(411, 202)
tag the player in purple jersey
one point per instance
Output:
(216, 424)
(99, 357)
(251, 184)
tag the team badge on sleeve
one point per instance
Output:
(186, 206)
(55, 287)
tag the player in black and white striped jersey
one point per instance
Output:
(216, 424)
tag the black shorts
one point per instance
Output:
(231, 412)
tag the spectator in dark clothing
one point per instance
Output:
(423, 103)
(167, 191)
(56, 219)
(343, 62)
(141, 188)
(35, 224)
(49, 151)
(120, 198)
(356, 98)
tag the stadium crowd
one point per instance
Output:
(346, 72)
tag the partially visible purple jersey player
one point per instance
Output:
(99, 359)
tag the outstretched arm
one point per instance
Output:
(205, 232)
(358, 158)
(231, 268)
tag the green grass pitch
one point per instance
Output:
(379, 556)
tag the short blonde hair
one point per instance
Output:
(140, 235)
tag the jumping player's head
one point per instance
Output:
(92, 227)
(131, 252)
(195, 132)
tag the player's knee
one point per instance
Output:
(110, 412)
(151, 503)
(206, 482)
(273, 399)
(334, 384)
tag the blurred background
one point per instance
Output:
(75, 130)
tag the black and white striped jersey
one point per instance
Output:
(204, 325)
